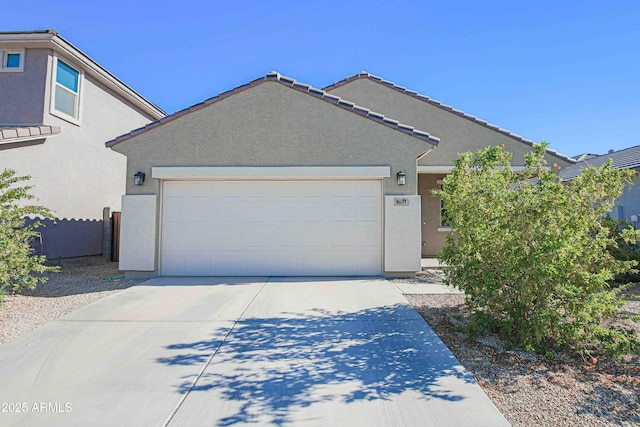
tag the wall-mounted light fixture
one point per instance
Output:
(138, 178)
(402, 178)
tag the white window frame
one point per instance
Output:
(441, 226)
(4, 53)
(54, 84)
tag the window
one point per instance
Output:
(67, 90)
(12, 60)
(443, 219)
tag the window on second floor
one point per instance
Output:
(12, 60)
(66, 97)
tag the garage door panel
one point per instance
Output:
(174, 213)
(370, 214)
(271, 228)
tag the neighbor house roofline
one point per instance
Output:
(628, 158)
(424, 98)
(50, 39)
(300, 87)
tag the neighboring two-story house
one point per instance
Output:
(57, 108)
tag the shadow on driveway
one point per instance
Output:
(267, 369)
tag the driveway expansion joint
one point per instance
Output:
(215, 351)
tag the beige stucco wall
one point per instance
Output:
(401, 234)
(456, 133)
(272, 125)
(433, 236)
(137, 228)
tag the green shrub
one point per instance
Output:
(530, 252)
(623, 250)
(19, 267)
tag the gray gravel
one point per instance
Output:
(531, 390)
(79, 283)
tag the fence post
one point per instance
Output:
(115, 237)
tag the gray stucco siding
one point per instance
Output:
(272, 125)
(457, 134)
(22, 93)
(628, 203)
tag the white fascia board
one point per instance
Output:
(272, 173)
(82, 60)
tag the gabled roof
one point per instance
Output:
(424, 98)
(629, 158)
(300, 87)
(50, 39)
(12, 134)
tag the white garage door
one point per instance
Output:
(261, 228)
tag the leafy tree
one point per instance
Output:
(531, 253)
(19, 267)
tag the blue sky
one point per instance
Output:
(564, 71)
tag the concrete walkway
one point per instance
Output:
(227, 352)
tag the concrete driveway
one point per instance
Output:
(230, 352)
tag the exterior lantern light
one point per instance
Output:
(138, 178)
(402, 178)
(634, 219)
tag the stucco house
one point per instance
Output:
(58, 107)
(279, 178)
(458, 132)
(272, 178)
(627, 205)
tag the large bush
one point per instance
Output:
(19, 267)
(531, 254)
(623, 249)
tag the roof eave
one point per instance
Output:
(50, 39)
(293, 84)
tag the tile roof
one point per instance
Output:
(301, 87)
(414, 94)
(629, 158)
(11, 134)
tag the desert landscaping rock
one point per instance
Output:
(532, 390)
(79, 283)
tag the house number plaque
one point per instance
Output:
(400, 201)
